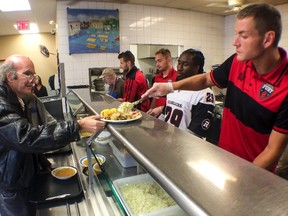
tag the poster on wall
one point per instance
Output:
(93, 31)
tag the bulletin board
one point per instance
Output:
(93, 31)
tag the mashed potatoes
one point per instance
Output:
(145, 197)
(125, 107)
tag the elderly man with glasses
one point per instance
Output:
(26, 131)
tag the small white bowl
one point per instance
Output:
(64, 172)
(104, 137)
(84, 160)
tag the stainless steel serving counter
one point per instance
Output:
(202, 178)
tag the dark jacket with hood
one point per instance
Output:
(25, 133)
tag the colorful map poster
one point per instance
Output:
(93, 31)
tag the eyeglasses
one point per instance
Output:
(30, 77)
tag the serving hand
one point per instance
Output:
(158, 90)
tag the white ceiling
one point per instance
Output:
(45, 10)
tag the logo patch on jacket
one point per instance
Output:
(266, 90)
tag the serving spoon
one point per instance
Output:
(127, 106)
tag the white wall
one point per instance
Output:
(139, 24)
(143, 25)
(28, 45)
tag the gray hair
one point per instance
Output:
(5, 68)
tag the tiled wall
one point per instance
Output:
(143, 25)
(139, 24)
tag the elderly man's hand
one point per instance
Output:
(91, 124)
(158, 90)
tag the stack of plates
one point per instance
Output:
(99, 84)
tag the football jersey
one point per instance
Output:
(190, 110)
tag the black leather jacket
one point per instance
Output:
(21, 141)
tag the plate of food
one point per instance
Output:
(64, 172)
(115, 116)
(84, 160)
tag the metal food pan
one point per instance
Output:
(144, 178)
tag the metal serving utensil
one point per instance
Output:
(131, 104)
(58, 196)
(138, 101)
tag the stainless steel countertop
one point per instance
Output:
(202, 178)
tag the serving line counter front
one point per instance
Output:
(202, 178)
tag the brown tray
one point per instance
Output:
(47, 186)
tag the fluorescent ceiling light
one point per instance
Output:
(33, 29)
(14, 5)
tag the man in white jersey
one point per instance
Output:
(189, 110)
